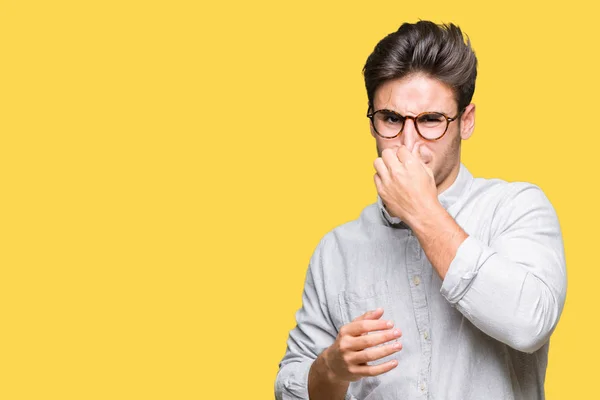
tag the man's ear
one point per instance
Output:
(467, 122)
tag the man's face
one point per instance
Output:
(412, 95)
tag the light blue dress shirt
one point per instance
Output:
(481, 333)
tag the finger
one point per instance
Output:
(416, 151)
(374, 339)
(378, 183)
(417, 154)
(374, 370)
(429, 171)
(382, 169)
(372, 314)
(357, 328)
(390, 158)
(405, 156)
(376, 353)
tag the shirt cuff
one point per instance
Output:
(296, 385)
(463, 269)
(386, 214)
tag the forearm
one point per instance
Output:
(504, 298)
(321, 385)
(516, 302)
(440, 237)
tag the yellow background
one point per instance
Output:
(167, 169)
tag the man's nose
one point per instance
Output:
(409, 135)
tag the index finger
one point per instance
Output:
(359, 328)
(373, 314)
(391, 159)
(404, 155)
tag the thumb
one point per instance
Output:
(417, 153)
(429, 171)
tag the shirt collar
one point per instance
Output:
(447, 198)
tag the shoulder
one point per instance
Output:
(342, 241)
(353, 230)
(502, 193)
(514, 205)
(523, 197)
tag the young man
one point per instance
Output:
(449, 286)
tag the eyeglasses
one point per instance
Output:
(430, 125)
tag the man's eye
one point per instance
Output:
(392, 119)
(431, 118)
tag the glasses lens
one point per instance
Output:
(431, 125)
(387, 123)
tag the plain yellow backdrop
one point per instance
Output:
(167, 169)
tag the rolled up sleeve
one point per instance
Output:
(513, 289)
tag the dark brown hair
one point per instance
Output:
(439, 51)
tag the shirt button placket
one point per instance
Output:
(414, 264)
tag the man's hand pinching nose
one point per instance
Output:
(405, 183)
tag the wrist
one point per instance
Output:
(325, 370)
(322, 383)
(429, 216)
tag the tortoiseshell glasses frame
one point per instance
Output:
(402, 119)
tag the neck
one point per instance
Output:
(449, 179)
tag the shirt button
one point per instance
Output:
(422, 387)
(416, 280)
(426, 335)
